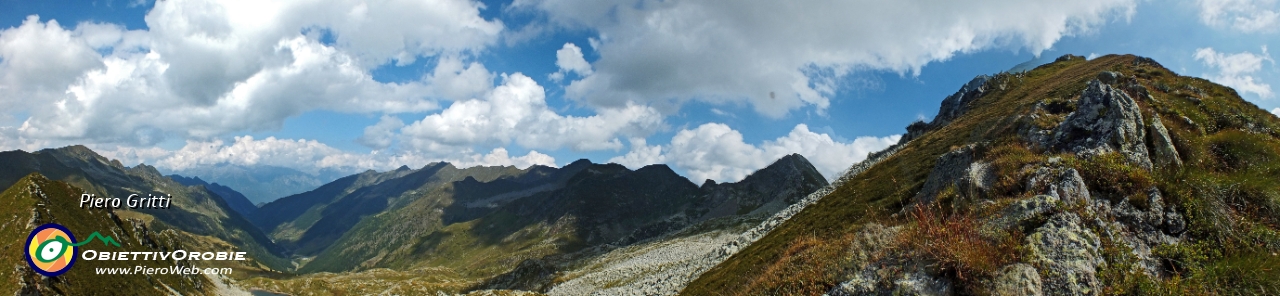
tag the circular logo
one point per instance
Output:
(51, 249)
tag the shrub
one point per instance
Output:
(1111, 176)
(957, 246)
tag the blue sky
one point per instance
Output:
(716, 90)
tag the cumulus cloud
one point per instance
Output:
(1237, 70)
(39, 59)
(1276, 111)
(499, 157)
(452, 80)
(783, 55)
(569, 59)
(304, 155)
(380, 135)
(717, 152)
(203, 69)
(1241, 15)
(517, 112)
(640, 155)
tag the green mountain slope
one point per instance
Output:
(518, 229)
(238, 202)
(486, 227)
(1107, 176)
(194, 210)
(35, 200)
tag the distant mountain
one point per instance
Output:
(261, 183)
(195, 210)
(234, 199)
(485, 220)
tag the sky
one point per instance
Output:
(715, 89)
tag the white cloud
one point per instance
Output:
(716, 151)
(569, 59)
(783, 55)
(499, 157)
(1237, 70)
(304, 155)
(1276, 111)
(204, 69)
(640, 155)
(452, 81)
(380, 135)
(1241, 15)
(39, 60)
(517, 112)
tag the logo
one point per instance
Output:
(51, 249)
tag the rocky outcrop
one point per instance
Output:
(1141, 230)
(1017, 279)
(1068, 254)
(1023, 215)
(1062, 183)
(1162, 151)
(957, 104)
(971, 179)
(1106, 120)
(878, 270)
(1110, 77)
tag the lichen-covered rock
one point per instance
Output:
(896, 277)
(1024, 214)
(972, 179)
(1106, 120)
(1140, 230)
(1018, 279)
(1067, 254)
(1162, 151)
(1062, 183)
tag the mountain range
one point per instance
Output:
(260, 183)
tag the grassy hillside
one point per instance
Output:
(1227, 190)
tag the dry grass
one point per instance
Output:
(956, 245)
(1009, 162)
(809, 266)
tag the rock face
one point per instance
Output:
(1162, 151)
(1017, 279)
(1024, 214)
(1065, 184)
(1106, 120)
(956, 104)
(971, 179)
(1068, 254)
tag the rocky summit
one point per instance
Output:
(1080, 177)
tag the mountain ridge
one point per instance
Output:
(234, 199)
(1080, 177)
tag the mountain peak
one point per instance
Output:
(788, 164)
